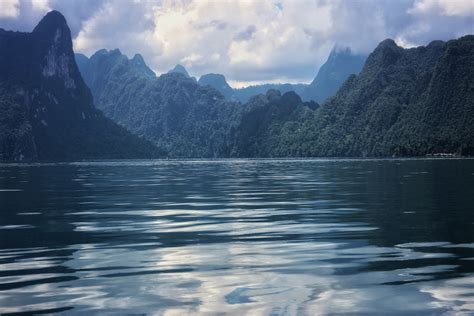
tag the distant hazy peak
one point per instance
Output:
(218, 82)
(179, 69)
(102, 51)
(138, 59)
(109, 53)
(341, 63)
(212, 76)
(139, 62)
(340, 50)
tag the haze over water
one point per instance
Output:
(270, 237)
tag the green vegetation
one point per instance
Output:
(173, 111)
(269, 126)
(404, 103)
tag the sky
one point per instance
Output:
(249, 41)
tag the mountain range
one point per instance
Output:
(173, 111)
(395, 102)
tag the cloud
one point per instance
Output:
(444, 7)
(246, 34)
(439, 19)
(40, 5)
(30, 12)
(9, 8)
(248, 41)
(128, 27)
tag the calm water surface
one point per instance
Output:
(264, 237)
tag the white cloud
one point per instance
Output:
(439, 19)
(246, 40)
(249, 41)
(127, 27)
(41, 5)
(444, 7)
(9, 8)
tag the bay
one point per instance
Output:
(264, 237)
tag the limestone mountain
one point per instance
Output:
(47, 111)
(218, 82)
(341, 63)
(180, 70)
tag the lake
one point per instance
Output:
(260, 237)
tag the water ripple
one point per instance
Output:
(262, 237)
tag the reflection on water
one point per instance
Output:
(277, 237)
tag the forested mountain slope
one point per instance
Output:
(405, 102)
(267, 128)
(173, 110)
